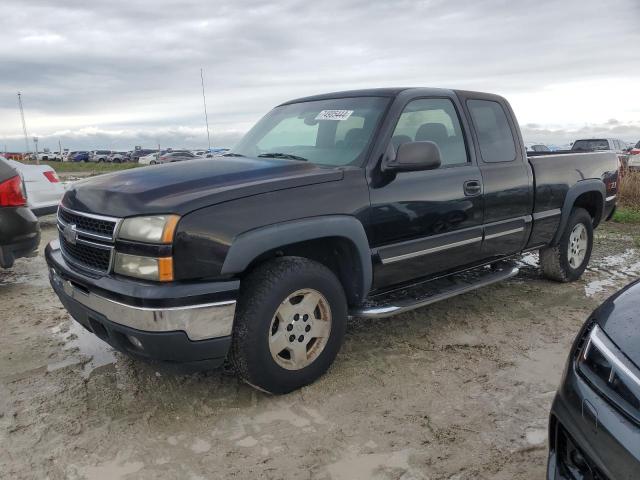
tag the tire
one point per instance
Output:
(557, 262)
(267, 310)
(153, 162)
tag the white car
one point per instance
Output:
(150, 159)
(634, 163)
(43, 186)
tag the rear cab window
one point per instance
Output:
(492, 128)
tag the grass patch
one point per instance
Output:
(629, 191)
(63, 167)
(627, 215)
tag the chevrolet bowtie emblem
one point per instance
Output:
(70, 234)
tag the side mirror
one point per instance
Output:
(415, 156)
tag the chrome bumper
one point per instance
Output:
(199, 322)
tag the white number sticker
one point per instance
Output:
(334, 114)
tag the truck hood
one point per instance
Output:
(619, 318)
(182, 187)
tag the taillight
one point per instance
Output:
(51, 176)
(12, 193)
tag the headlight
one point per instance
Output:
(153, 229)
(147, 268)
(611, 372)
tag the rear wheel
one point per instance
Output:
(289, 325)
(568, 260)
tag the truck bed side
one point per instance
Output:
(567, 179)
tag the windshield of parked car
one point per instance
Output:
(333, 132)
(590, 145)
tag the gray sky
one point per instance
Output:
(114, 74)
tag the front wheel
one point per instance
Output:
(567, 261)
(289, 325)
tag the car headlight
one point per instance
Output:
(609, 370)
(159, 269)
(152, 229)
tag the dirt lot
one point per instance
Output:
(459, 390)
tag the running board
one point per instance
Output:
(425, 293)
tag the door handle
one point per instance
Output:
(472, 188)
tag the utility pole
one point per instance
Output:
(206, 118)
(35, 142)
(24, 125)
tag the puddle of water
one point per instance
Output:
(88, 346)
(200, 446)
(112, 470)
(536, 436)
(621, 268)
(367, 466)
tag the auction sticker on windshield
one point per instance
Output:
(334, 114)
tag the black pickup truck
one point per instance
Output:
(364, 203)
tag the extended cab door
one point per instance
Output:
(506, 174)
(426, 222)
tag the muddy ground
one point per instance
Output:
(458, 390)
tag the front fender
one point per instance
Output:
(250, 245)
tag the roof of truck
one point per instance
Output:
(391, 92)
(367, 92)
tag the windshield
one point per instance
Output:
(590, 145)
(332, 132)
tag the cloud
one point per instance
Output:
(135, 65)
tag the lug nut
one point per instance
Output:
(292, 338)
(305, 318)
(289, 327)
(307, 328)
(296, 317)
(301, 338)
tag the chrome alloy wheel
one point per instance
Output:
(577, 245)
(300, 329)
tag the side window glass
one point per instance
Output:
(434, 120)
(494, 135)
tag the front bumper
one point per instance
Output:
(184, 323)
(588, 436)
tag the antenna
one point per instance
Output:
(24, 125)
(204, 101)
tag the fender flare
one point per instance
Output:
(249, 245)
(584, 186)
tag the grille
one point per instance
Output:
(88, 224)
(87, 256)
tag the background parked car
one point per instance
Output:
(595, 417)
(43, 187)
(47, 156)
(118, 157)
(537, 147)
(80, 156)
(150, 159)
(20, 232)
(136, 154)
(603, 144)
(99, 156)
(176, 156)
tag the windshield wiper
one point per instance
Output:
(231, 154)
(288, 156)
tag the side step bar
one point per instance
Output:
(425, 293)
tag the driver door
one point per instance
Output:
(427, 222)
